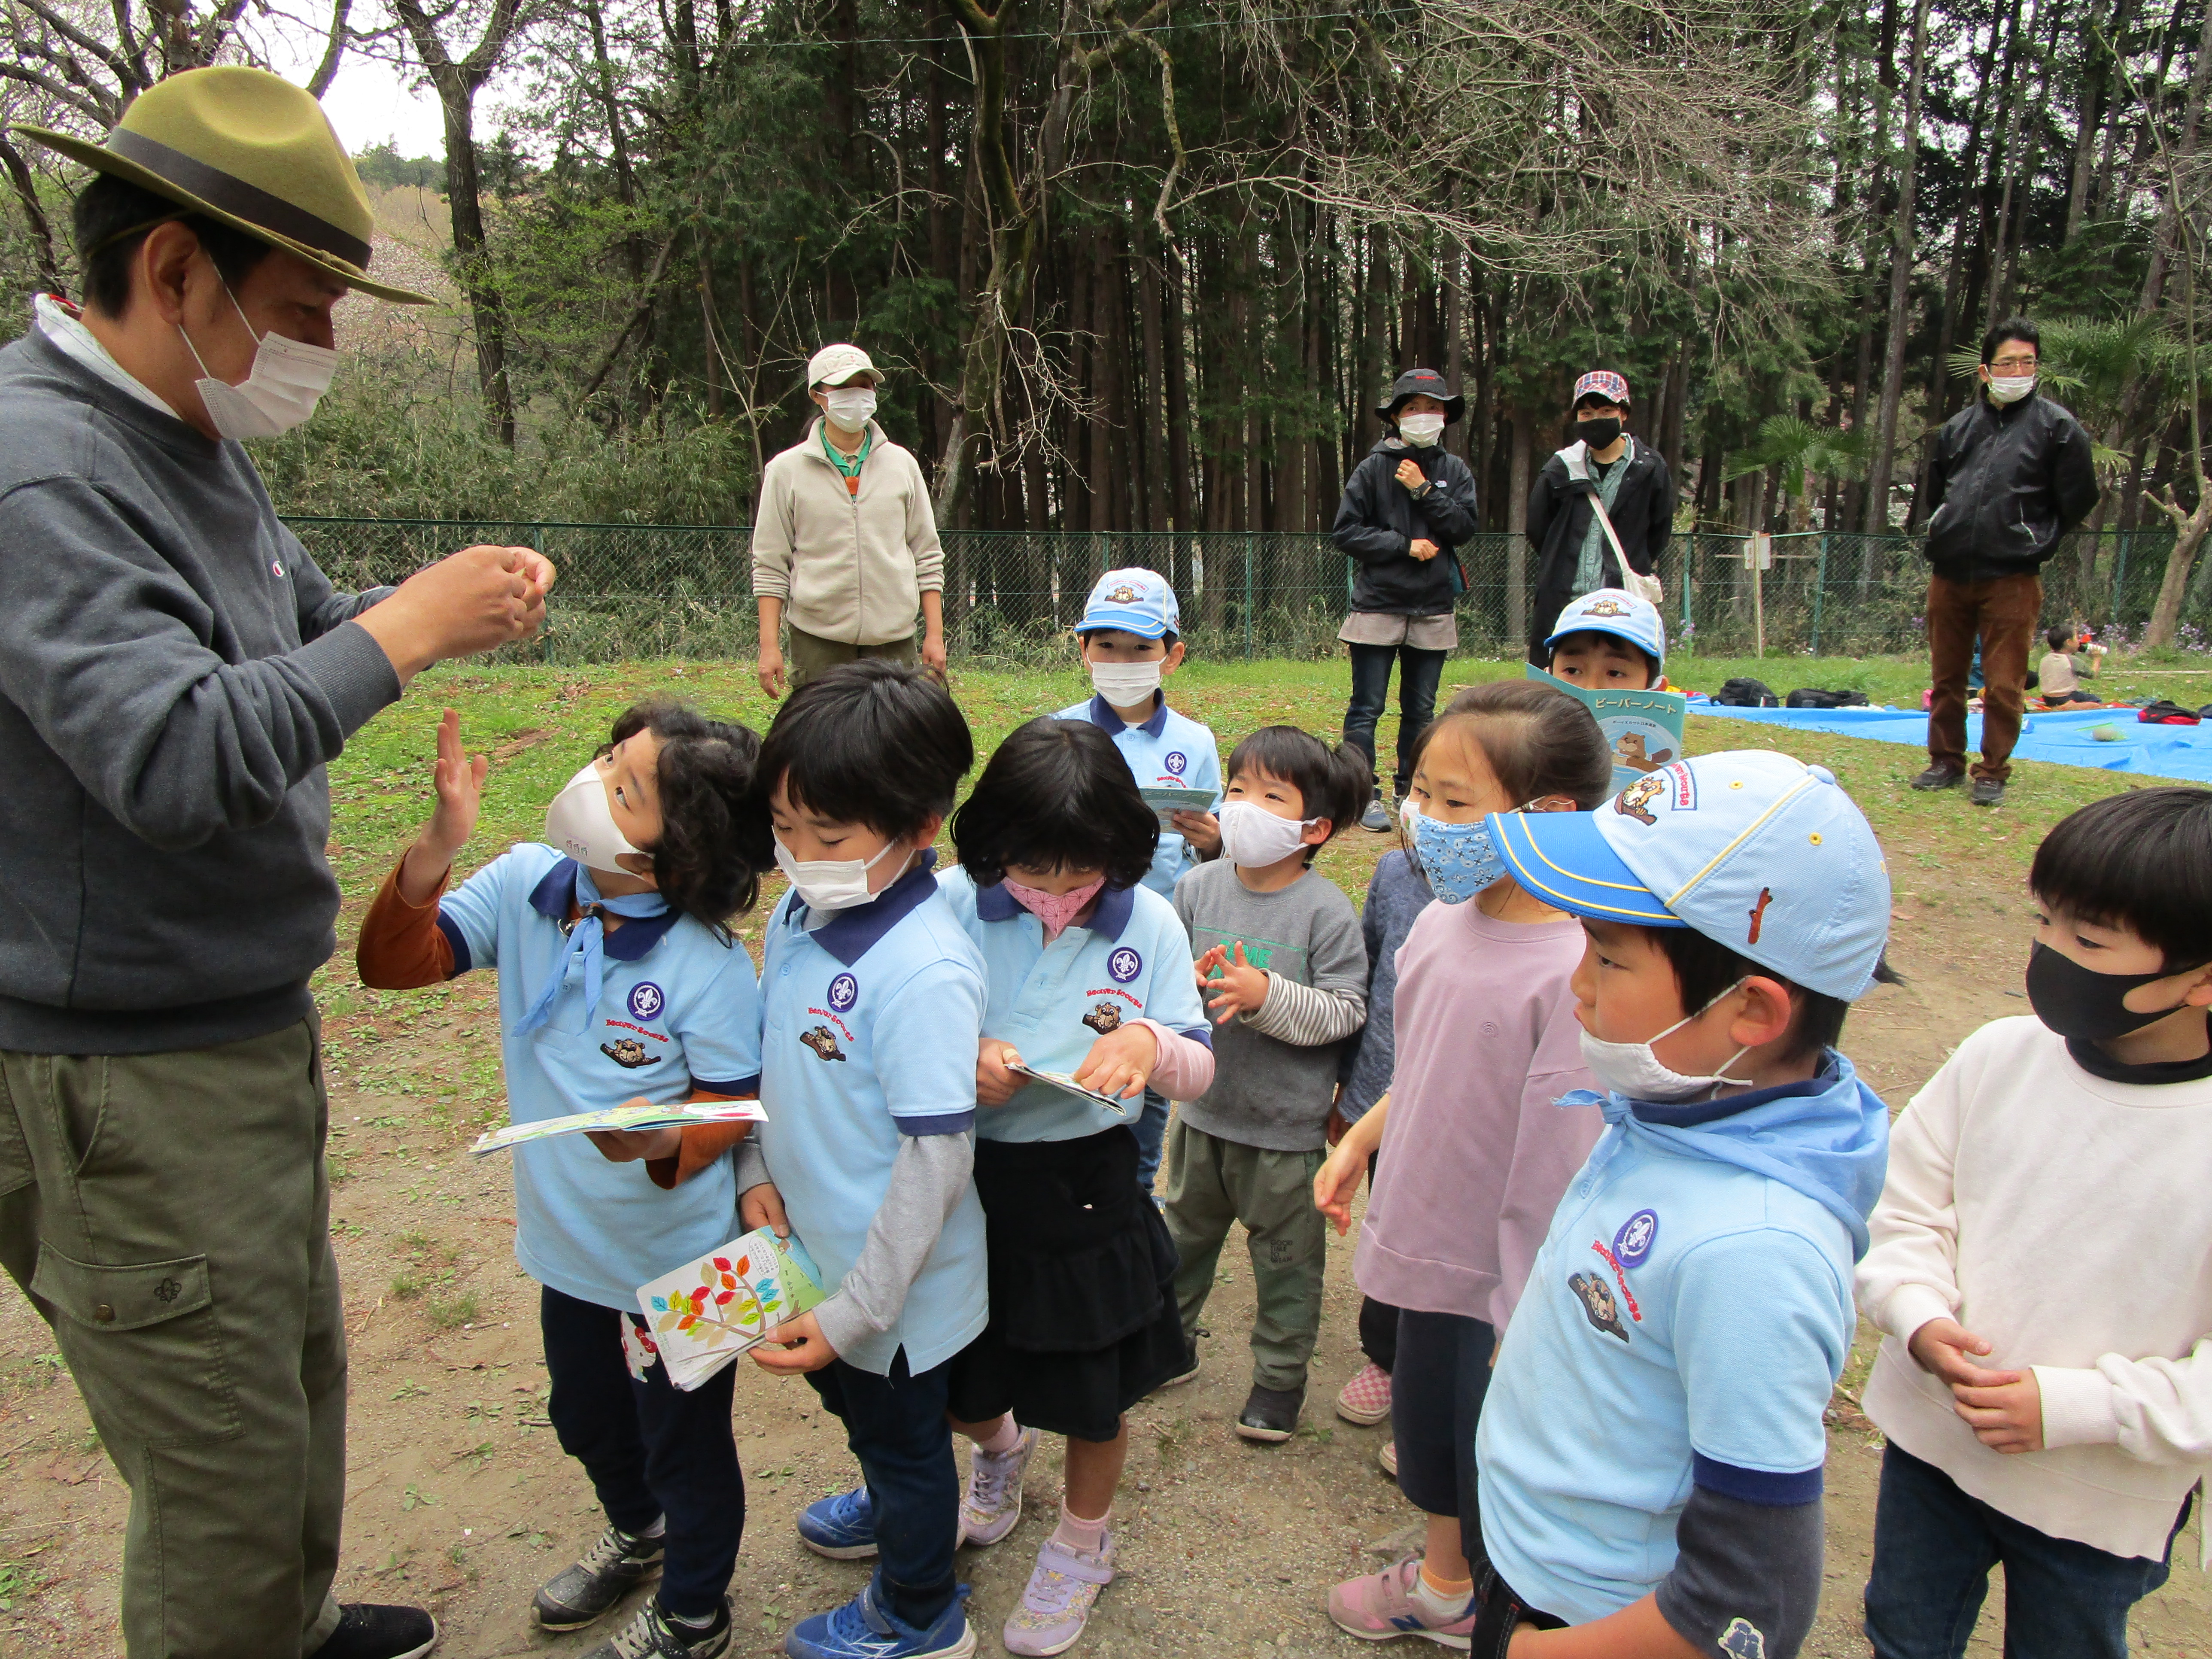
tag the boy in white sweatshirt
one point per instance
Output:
(2039, 1264)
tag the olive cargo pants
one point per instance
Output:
(1214, 1183)
(168, 1214)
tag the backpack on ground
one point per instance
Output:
(1743, 693)
(2166, 713)
(1806, 697)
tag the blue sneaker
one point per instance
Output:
(865, 1629)
(841, 1526)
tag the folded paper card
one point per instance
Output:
(1061, 1080)
(708, 1312)
(1167, 802)
(621, 1117)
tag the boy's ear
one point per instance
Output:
(1764, 1014)
(1317, 833)
(1173, 660)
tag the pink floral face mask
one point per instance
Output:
(1054, 910)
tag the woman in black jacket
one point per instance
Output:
(1406, 508)
(1573, 557)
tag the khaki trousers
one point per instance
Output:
(1212, 1183)
(168, 1215)
(810, 654)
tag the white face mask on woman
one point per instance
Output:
(1420, 430)
(849, 407)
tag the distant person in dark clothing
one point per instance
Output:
(1604, 464)
(1406, 508)
(2011, 474)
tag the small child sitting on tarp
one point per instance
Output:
(2061, 672)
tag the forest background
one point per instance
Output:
(1140, 266)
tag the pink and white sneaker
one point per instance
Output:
(1365, 1399)
(1057, 1601)
(1381, 1604)
(992, 1505)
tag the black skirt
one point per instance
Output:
(1082, 1273)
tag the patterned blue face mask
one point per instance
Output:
(1460, 860)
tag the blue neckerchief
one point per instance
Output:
(586, 941)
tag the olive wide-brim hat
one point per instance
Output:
(249, 149)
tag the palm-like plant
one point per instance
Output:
(1800, 454)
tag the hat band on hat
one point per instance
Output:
(234, 196)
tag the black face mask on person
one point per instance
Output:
(1598, 431)
(2078, 1002)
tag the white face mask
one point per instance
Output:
(829, 884)
(850, 406)
(580, 821)
(1253, 837)
(2010, 388)
(1631, 1070)
(1420, 430)
(1125, 684)
(288, 378)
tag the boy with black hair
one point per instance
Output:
(2046, 1385)
(873, 1001)
(2060, 673)
(1281, 959)
(1605, 467)
(1652, 1443)
(1609, 640)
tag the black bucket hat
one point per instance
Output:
(1421, 383)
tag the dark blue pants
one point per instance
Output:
(1438, 1385)
(1150, 1129)
(651, 1448)
(1417, 674)
(1933, 1549)
(896, 1426)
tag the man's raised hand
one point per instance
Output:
(474, 600)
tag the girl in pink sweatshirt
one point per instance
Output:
(1475, 1157)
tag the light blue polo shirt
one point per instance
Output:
(1167, 751)
(679, 1011)
(870, 1030)
(1130, 962)
(1683, 1324)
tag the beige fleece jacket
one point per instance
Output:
(848, 568)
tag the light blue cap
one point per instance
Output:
(1137, 602)
(1613, 610)
(1755, 850)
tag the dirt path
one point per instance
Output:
(460, 1499)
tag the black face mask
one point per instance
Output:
(1599, 433)
(2076, 1002)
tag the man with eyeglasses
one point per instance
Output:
(2011, 474)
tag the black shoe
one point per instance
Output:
(368, 1632)
(1940, 777)
(1271, 1414)
(654, 1635)
(1187, 1370)
(587, 1592)
(1988, 791)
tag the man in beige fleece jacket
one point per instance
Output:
(845, 542)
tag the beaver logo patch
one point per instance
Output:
(629, 1053)
(1103, 1018)
(823, 1041)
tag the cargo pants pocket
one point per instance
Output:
(144, 1346)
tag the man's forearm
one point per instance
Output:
(933, 613)
(771, 618)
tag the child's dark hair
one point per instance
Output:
(872, 742)
(1332, 783)
(1057, 795)
(2059, 639)
(2142, 861)
(1539, 740)
(1082, 636)
(1705, 967)
(714, 839)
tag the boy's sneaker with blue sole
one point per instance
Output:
(864, 1628)
(841, 1526)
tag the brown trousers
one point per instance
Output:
(2002, 615)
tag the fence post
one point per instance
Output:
(1819, 591)
(538, 546)
(2119, 578)
(1249, 549)
(1689, 563)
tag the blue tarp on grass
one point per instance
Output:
(2062, 739)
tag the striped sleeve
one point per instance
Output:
(1307, 1016)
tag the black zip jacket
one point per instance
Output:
(1379, 519)
(1559, 512)
(2004, 485)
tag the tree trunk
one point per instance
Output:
(1900, 281)
(1521, 480)
(26, 197)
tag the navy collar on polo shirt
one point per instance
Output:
(1109, 916)
(1689, 1115)
(851, 934)
(556, 897)
(1103, 717)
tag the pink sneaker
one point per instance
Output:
(1365, 1399)
(992, 1505)
(1381, 1605)
(1057, 1601)
(1387, 1457)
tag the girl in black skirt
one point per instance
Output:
(1091, 976)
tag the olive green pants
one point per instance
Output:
(168, 1215)
(1213, 1183)
(811, 655)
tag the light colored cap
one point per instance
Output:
(1615, 612)
(835, 365)
(1136, 601)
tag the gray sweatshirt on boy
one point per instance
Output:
(174, 672)
(1274, 1072)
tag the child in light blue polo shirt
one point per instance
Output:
(618, 981)
(1651, 1449)
(1127, 641)
(874, 998)
(1089, 977)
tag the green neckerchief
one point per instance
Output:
(851, 469)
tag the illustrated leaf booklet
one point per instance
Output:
(708, 1312)
(1643, 729)
(619, 1117)
(1167, 802)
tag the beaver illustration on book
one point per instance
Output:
(1103, 1018)
(629, 1053)
(823, 1041)
(1628, 750)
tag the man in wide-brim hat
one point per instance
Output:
(175, 673)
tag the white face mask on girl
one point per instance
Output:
(1254, 837)
(850, 406)
(288, 380)
(1125, 684)
(580, 821)
(1634, 1071)
(829, 884)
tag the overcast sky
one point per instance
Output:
(371, 100)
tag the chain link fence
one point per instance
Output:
(641, 590)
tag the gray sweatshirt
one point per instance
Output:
(1274, 1072)
(174, 673)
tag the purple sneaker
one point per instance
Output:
(992, 1505)
(1056, 1604)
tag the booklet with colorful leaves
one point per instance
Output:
(708, 1312)
(1166, 802)
(639, 1116)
